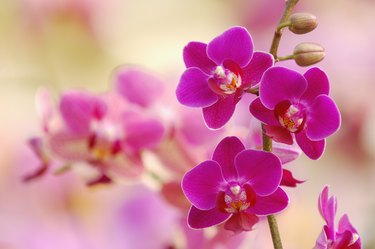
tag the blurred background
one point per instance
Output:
(76, 44)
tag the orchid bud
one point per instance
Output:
(302, 23)
(307, 53)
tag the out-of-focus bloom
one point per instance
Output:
(235, 186)
(107, 131)
(293, 104)
(219, 72)
(39, 13)
(346, 237)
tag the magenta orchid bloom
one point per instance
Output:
(219, 72)
(293, 104)
(346, 237)
(235, 186)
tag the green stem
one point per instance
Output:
(267, 141)
(274, 232)
(278, 32)
(284, 58)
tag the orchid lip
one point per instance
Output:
(236, 198)
(224, 81)
(290, 116)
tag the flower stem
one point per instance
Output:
(278, 32)
(284, 58)
(267, 141)
(274, 232)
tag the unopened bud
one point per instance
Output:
(307, 53)
(302, 23)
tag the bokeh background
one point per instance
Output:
(65, 44)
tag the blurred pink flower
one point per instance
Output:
(107, 131)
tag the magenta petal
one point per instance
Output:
(241, 221)
(343, 241)
(279, 84)
(260, 169)
(202, 184)
(101, 179)
(79, 108)
(193, 89)
(195, 55)
(323, 118)
(234, 44)
(286, 153)
(218, 114)
(270, 204)
(312, 149)
(138, 86)
(205, 218)
(288, 180)
(327, 208)
(317, 83)
(70, 147)
(40, 171)
(127, 166)
(262, 113)
(225, 153)
(321, 242)
(253, 72)
(143, 133)
(345, 225)
(279, 134)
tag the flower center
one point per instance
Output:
(104, 141)
(224, 81)
(290, 116)
(236, 198)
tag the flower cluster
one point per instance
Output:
(106, 131)
(238, 185)
(113, 133)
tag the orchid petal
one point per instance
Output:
(202, 183)
(323, 118)
(288, 180)
(260, 169)
(78, 110)
(218, 114)
(317, 83)
(312, 149)
(195, 55)
(193, 90)
(139, 86)
(279, 84)
(253, 72)
(142, 133)
(270, 204)
(321, 242)
(234, 44)
(262, 113)
(241, 221)
(69, 146)
(225, 153)
(205, 218)
(279, 134)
